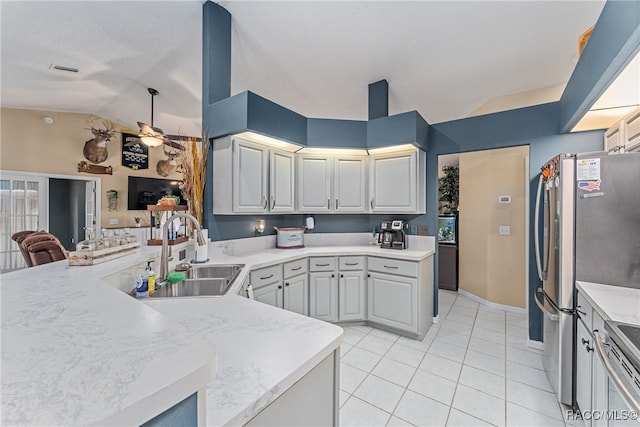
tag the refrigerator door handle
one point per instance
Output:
(553, 317)
(536, 237)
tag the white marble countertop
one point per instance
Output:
(262, 350)
(613, 302)
(76, 351)
(109, 347)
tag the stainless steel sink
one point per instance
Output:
(210, 280)
(193, 288)
(208, 271)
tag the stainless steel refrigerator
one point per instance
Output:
(587, 224)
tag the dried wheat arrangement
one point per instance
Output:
(194, 161)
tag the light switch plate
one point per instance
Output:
(505, 230)
(113, 221)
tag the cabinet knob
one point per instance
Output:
(279, 286)
(368, 275)
(286, 284)
(342, 275)
(585, 341)
(333, 275)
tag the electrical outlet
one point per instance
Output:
(505, 230)
(423, 230)
(113, 221)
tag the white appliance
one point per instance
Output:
(590, 206)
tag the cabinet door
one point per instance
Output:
(599, 381)
(632, 131)
(351, 296)
(613, 137)
(314, 184)
(269, 294)
(584, 353)
(296, 294)
(349, 185)
(323, 296)
(250, 162)
(393, 183)
(393, 301)
(281, 173)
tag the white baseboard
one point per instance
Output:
(538, 345)
(490, 304)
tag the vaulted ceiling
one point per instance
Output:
(445, 59)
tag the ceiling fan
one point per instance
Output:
(153, 136)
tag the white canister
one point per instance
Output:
(291, 237)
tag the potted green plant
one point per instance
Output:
(448, 189)
(137, 220)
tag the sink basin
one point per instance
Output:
(217, 271)
(209, 281)
(193, 288)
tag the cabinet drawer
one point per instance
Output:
(266, 275)
(584, 307)
(393, 266)
(322, 263)
(295, 268)
(351, 263)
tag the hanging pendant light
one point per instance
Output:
(149, 135)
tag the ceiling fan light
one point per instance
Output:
(151, 141)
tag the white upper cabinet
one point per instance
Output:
(397, 182)
(281, 182)
(349, 184)
(631, 125)
(314, 183)
(250, 166)
(332, 183)
(624, 136)
(613, 137)
(251, 178)
(254, 178)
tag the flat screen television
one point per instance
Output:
(147, 191)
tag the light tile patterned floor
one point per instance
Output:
(473, 368)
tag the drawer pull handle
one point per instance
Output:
(580, 312)
(328, 204)
(322, 265)
(391, 266)
(296, 269)
(267, 277)
(351, 263)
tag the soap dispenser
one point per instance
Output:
(151, 277)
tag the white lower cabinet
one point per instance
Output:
(592, 387)
(323, 296)
(388, 293)
(296, 294)
(392, 301)
(271, 294)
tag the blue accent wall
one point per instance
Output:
(378, 99)
(337, 133)
(614, 42)
(183, 414)
(216, 64)
(268, 118)
(536, 127)
(227, 116)
(404, 128)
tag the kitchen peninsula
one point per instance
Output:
(78, 350)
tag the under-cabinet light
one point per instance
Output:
(392, 149)
(335, 151)
(267, 140)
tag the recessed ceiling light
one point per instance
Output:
(47, 120)
(63, 68)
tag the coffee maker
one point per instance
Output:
(393, 234)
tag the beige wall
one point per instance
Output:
(493, 266)
(27, 144)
